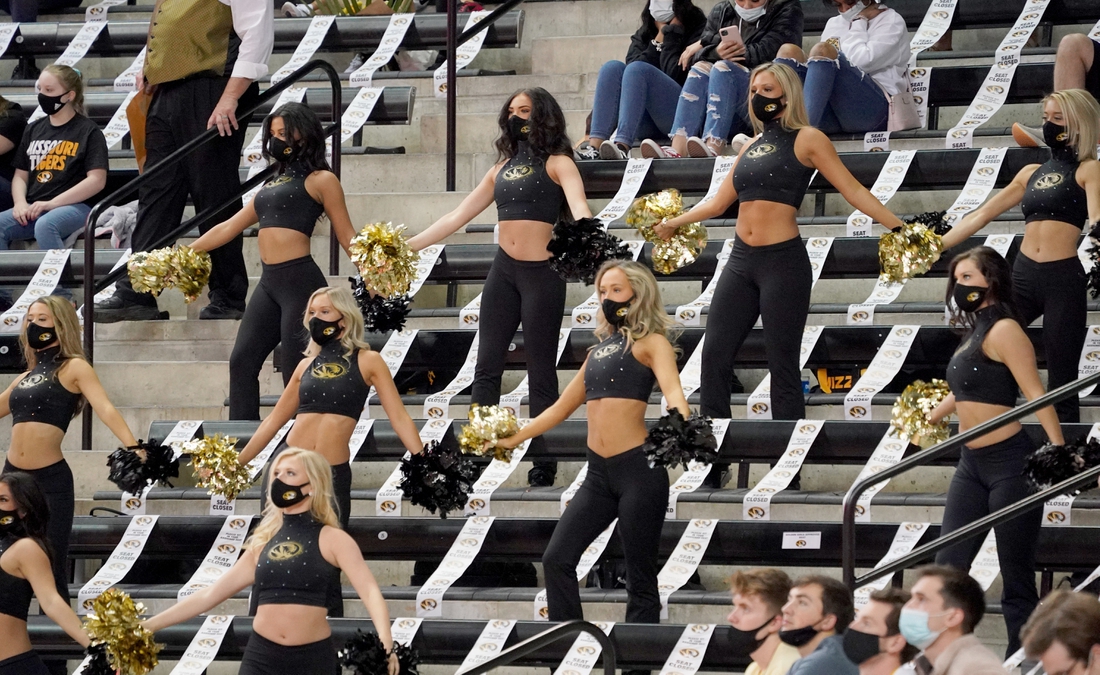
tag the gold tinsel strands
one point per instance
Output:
(912, 409)
(488, 424)
(910, 251)
(214, 460)
(115, 621)
(177, 267)
(385, 261)
(150, 271)
(192, 271)
(683, 247)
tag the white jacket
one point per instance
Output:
(879, 47)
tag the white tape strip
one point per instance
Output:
(584, 314)
(81, 43)
(221, 557)
(404, 629)
(633, 175)
(98, 11)
(391, 41)
(692, 373)
(204, 646)
(817, 250)
(980, 182)
(568, 493)
(429, 258)
(119, 563)
(686, 558)
(756, 505)
(1089, 362)
(7, 32)
(465, 53)
(488, 644)
(884, 367)
(110, 290)
(394, 353)
(253, 152)
(127, 80)
(986, 566)
(470, 316)
(905, 540)
(887, 453)
(886, 185)
(359, 111)
(697, 472)
(511, 401)
(119, 125)
(919, 79)
(936, 22)
(182, 431)
(876, 141)
(691, 313)
(133, 504)
(481, 495)
(42, 284)
(311, 41)
(437, 405)
(759, 405)
(722, 166)
(687, 656)
(429, 599)
(583, 653)
(258, 462)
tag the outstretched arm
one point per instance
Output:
(88, 384)
(1004, 200)
(285, 409)
(822, 155)
(474, 203)
(569, 401)
(655, 352)
(224, 232)
(377, 374)
(336, 207)
(1008, 344)
(241, 575)
(563, 171)
(722, 200)
(32, 564)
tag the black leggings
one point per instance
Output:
(986, 480)
(1056, 291)
(772, 282)
(264, 657)
(56, 483)
(623, 487)
(529, 292)
(273, 315)
(27, 663)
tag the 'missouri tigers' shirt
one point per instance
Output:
(58, 158)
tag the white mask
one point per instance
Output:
(750, 15)
(850, 13)
(661, 10)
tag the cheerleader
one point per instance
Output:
(290, 561)
(995, 360)
(534, 183)
(615, 382)
(1057, 198)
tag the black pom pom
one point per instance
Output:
(933, 220)
(161, 462)
(1052, 464)
(1093, 282)
(578, 249)
(364, 654)
(674, 441)
(127, 471)
(99, 665)
(440, 478)
(380, 314)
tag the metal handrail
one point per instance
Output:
(851, 499)
(547, 637)
(116, 197)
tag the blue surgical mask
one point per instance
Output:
(661, 10)
(750, 15)
(913, 625)
(850, 13)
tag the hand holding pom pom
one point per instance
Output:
(578, 250)
(115, 623)
(216, 467)
(670, 253)
(1052, 464)
(148, 463)
(912, 410)
(365, 654)
(440, 478)
(385, 261)
(172, 267)
(488, 424)
(674, 441)
(380, 314)
(913, 249)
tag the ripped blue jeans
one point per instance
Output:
(714, 101)
(841, 98)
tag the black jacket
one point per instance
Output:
(676, 38)
(781, 24)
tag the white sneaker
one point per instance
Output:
(738, 142)
(585, 151)
(698, 148)
(611, 150)
(296, 10)
(653, 150)
(357, 62)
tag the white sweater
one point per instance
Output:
(879, 47)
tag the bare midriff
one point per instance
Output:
(973, 413)
(325, 433)
(292, 625)
(1050, 241)
(15, 640)
(763, 223)
(615, 425)
(280, 244)
(525, 239)
(35, 445)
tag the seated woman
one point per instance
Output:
(656, 48)
(860, 64)
(12, 125)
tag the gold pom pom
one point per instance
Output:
(192, 271)
(337, 7)
(910, 251)
(686, 243)
(180, 267)
(115, 621)
(912, 409)
(488, 424)
(385, 261)
(214, 460)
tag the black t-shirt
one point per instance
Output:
(58, 158)
(12, 124)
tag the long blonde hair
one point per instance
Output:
(65, 324)
(344, 303)
(319, 474)
(796, 116)
(1082, 115)
(71, 79)
(646, 313)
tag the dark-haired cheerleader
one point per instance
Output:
(534, 183)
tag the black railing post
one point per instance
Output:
(337, 135)
(547, 637)
(452, 75)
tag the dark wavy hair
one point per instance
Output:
(547, 122)
(29, 498)
(303, 130)
(997, 273)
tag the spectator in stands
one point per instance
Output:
(12, 125)
(615, 381)
(287, 208)
(288, 560)
(858, 68)
(60, 165)
(202, 60)
(817, 612)
(757, 616)
(327, 393)
(26, 11)
(873, 641)
(1064, 633)
(1058, 199)
(1076, 66)
(534, 183)
(995, 359)
(25, 569)
(42, 402)
(768, 273)
(668, 26)
(946, 606)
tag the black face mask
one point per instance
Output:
(519, 128)
(323, 332)
(51, 104)
(281, 150)
(615, 312)
(10, 523)
(796, 637)
(969, 298)
(860, 647)
(40, 337)
(283, 495)
(1055, 135)
(766, 109)
(744, 642)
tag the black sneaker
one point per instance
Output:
(115, 309)
(214, 312)
(540, 476)
(26, 69)
(586, 151)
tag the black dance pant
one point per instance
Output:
(1056, 291)
(623, 487)
(56, 483)
(177, 114)
(773, 283)
(264, 657)
(27, 663)
(986, 480)
(528, 292)
(274, 315)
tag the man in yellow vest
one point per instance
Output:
(202, 60)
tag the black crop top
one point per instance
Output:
(15, 593)
(284, 202)
(524, 191)
(769, 170)
(291, 569)
(40, 396)
(333, 383)
(613, 372)
(975, 377)
(1053, 192)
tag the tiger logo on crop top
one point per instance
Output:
(607, 350)
(31, 381)
(1048, 181)
(760, 150)
(328, 371)
(517, 172)
(275, 182)
(285, 551)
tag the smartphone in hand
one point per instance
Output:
(731, 35)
